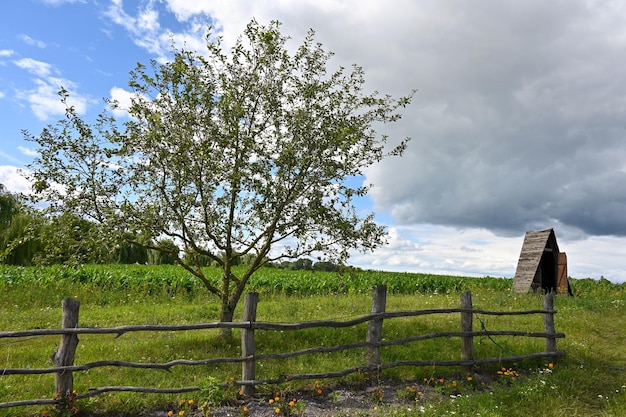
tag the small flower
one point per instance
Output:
(277, 410)
(292, 403)
(181, 413)
(469, 378)
(170, 413)
(191, 402)
(271, 401)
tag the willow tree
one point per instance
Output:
(229, 153)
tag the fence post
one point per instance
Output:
(248, 367)
(375, 326)
(467, 318)
(548, 321)
(64, 380)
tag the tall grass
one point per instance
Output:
(590, 380)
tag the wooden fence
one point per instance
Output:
(64, 368)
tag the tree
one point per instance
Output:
(72, 240)
(20, 231)
(228, 154)
(8, 207)
(166, 255)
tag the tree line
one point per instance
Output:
(29, 238)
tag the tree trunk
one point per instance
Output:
(226, 316)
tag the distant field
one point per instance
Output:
(175, 280)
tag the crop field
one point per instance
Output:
(589, 381)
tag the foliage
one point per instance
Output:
(166, 255)
(19, 231)
(286, 405)
(227, 154)
(212, 395)
(8, 207)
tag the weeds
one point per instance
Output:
(286, 405)
(64, 406)
(185, 407)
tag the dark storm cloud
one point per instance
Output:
(519, 120)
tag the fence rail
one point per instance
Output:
(64, 368)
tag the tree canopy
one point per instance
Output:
(227, 153)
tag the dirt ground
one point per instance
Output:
(340, 402)
(343, 400)
(337, 402)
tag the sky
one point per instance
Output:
(518, 123)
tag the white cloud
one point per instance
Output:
(6, 52)
(144, 28)
(27, 151)
(123, 99)
(477, 252)
(30, 41)
(2, 94)
(440, 249)
(38, 68)
(13, 180)
(44, 99)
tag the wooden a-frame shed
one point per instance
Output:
(541, 266)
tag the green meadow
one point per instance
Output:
(589, 381)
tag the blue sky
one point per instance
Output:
(518, 124)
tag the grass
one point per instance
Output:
(589, 381)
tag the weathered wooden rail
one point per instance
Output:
(64, 367)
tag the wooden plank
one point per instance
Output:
(64, 381)
(562, 283)
(467, 318)
(248, 367)
(535, 242)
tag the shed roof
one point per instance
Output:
(536, 242)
